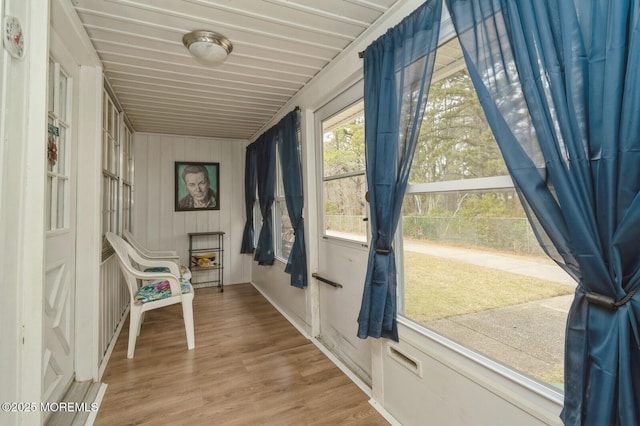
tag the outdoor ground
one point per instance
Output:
(511, 308)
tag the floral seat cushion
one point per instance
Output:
(183, 269)
(158, 290)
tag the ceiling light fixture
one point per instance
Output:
(207, 47)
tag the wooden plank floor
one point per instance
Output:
(250, 366)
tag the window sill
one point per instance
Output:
(355, 244)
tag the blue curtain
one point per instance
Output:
(249, 199)
(265, 152)
(397, 73)
(560, 84)
(289, 149)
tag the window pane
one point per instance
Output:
(113, 159)
(62, 150)
(51, 86)
(114, 204)
(127, 174)
(49, 201)
(343, 141)
(455, 140)
(106, 197)
(474, 272)
(50, 138)
(284, 230)
(126, 207)
(110, 118)
(60, 214)
(62, 96)
(257, 222)
(345, 208)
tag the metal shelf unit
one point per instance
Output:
(206, 259)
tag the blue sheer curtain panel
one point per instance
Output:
(249, 199)
(265, 152)
(289, 148)
(559, 83)
(397, 73)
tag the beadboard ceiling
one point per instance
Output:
(278, 46)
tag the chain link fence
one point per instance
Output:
(508, 234)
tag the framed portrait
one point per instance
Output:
(197, 186)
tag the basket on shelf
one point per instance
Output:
(205, 260)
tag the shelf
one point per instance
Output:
(205, 268)
(208, 276)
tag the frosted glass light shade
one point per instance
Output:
(207, 47)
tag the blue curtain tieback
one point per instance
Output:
(609, 302)
(382, 251)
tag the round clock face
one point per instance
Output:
(13, 38)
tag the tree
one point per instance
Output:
(455, 140)
(343, 151)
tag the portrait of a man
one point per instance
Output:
(197, 186)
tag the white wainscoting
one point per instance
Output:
(114, 307)
(156, 223)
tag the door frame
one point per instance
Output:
(68, 27)
(60, 240)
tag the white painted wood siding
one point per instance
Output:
(160, 227)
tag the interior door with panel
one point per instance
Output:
(343, 248)
(60, 231)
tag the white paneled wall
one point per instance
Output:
(160, 227)
(114, 306)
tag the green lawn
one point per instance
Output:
(437, 288)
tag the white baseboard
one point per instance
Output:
(112, 344)
(98, 400)
(298, 327)
(384, 413)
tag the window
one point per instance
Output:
(110, 163)
(344, 182)
(473, 270)
(117, 167)
(283, 234)
(127, 177)
(58, 144)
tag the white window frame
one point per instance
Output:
(59, 106)
(117, 166)
(344, 100)
(126, 179)
(503, 182)
(110, 162)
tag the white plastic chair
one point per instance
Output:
(165, 288)
(171, 255)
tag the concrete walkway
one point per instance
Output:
(542, 268)
(528, 337)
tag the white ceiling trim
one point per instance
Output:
(240, 85)
(368, 4)
(267, 77)
(279, 46)
(141, 89)
(219, 24)
(315, 11)
(134, 92)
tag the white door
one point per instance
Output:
(60, 231)
(343, 248)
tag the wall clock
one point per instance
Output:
(13, 38)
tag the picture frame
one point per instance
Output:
(197, 186)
